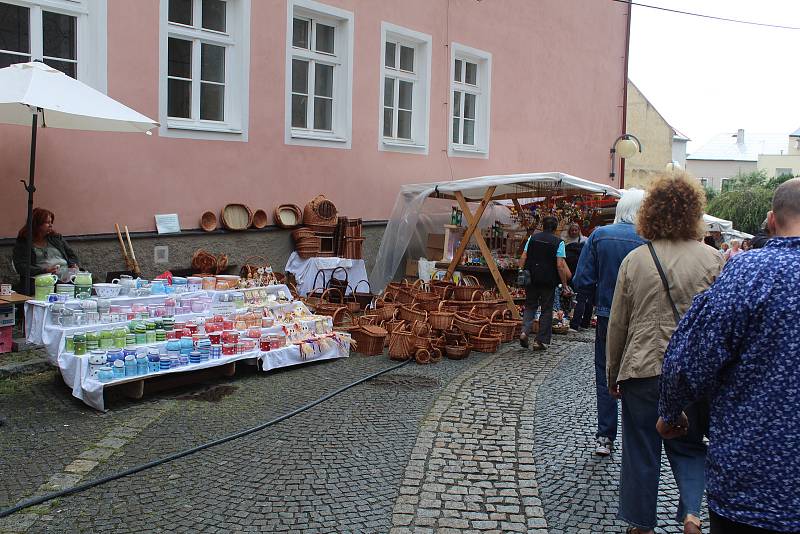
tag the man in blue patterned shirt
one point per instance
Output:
(739, 345)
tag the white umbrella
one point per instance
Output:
(31, 90)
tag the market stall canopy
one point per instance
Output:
(411, 197)
(715, 224)
(63, 102)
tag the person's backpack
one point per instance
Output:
(573, 251)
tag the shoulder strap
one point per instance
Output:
(664, 281)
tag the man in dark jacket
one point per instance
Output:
(544, 259)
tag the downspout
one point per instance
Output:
(625, 92)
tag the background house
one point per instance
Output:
(661, 143)
(727, 155)
(275, 101)
(786, 162)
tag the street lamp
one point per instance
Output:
(627, 145)
(673, 166)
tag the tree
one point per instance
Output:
(711, 194)
(745, 207)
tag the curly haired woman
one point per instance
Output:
(641, 323)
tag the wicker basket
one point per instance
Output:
(465, 293)
(421, 335)
(401, 347)
(208, 221)
(364, 299)
(387, 311)
(320, 214)
(485, 341)
(236, 217)
(507, 329)
(408, 313)
(561, 329)
(260, 219)
(470, 324)
(457, 352)
(422, 356)
(302, 233)
(369, 339)
(436, 354)
(440, 320)
(288, 216)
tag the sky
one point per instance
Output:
(707, 76)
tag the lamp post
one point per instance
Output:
(627, 145)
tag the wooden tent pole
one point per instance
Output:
(487, 254)
(470, 228)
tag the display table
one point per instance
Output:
(309, 337)
(305, 271)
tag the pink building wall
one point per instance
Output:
(557, 92)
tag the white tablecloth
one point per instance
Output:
(306, 270)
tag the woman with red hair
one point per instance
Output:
(50, 253)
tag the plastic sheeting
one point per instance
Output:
(412, 218)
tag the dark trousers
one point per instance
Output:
(607, 406)
(539, 297)
(721, 525)
(582, 315)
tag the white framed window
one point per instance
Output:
(704, 182)
(319, 75)
(783, 171)
(405, 90)
(69, 35)
(470, 101)
(204, 69)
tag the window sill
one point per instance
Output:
(202, 131)
(467, 152)
(317, 139)
(203, 127)
(298, 134)
(388, 145)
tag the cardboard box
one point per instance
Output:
(7, 315)
(412, 268)
(434, 254)
(436, 241)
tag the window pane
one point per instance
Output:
(212, 102)
(456, 103)
(10, 59)
(58, 39)
(323, 80)
(469, 132)
(456, 123)
(299, 76)
(15, 29)
(472, 73)
(299, 105)
(212, 63)
(457, 73)
(388, 114)
(391, 49)
(179, 98)
(179, 61)
(404, 124)
(180, 11)
(67, 67)
(469, 106)
(407, 58)
(324, 38)
(323, 114)
(406, 91)
(214, 15)
(300, 33)
(388, 92)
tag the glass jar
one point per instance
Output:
(79, 341)
(69, 344)
(119, 337)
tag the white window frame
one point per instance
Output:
(483, 91)
(91, 35)
(421, 96)
(236, 40)
(340, 135)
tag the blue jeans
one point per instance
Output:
(582, 314)
(641, 457)
(606, 404)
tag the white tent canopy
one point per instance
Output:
(715, 224)
(409, 205)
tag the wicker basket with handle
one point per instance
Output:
(401, 347)
(410, 314)
(507, 329)
(470, 324)
(370, 339)
(439, 319)
(485, 340)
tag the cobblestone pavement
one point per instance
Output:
(494, 443)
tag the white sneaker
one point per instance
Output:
(604, 446)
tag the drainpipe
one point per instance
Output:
(625, 92)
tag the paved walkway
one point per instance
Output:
(494, 443)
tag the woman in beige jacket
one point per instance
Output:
(640, 325)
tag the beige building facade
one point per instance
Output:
(785, 163)
(661, 143)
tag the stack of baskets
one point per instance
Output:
(306, 242)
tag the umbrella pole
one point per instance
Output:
(30, 188)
